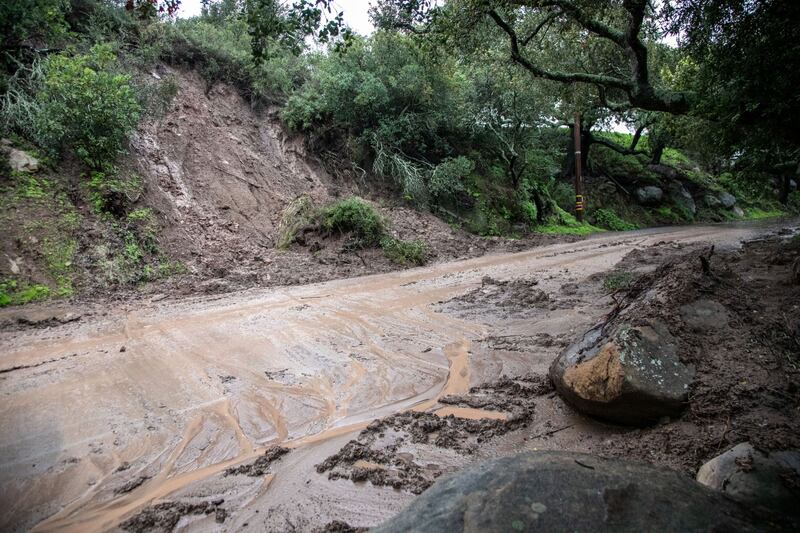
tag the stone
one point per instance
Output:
(727, 199)
(20, 161)
(738, 211)
(630, 376)
(566, 491)
(755, 478)
(649, 195)
(681, 197)
(664, 170)
(704, 315)
(711, 201)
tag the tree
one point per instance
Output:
(271, 20)
(743, 57)
(621, 29)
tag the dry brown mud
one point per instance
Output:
(132, 415)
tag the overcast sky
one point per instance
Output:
(355, 12)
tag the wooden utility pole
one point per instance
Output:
(578, 176)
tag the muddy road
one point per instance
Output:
(105, 415)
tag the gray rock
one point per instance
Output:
(563, 491)
(792, 185)
(649, 195)
(631, 375)
(711, 201)
(22, 161)
(680, 196)
(664, 170)
(704, 315)
(738, 211)
(754, 478)
(728, 200)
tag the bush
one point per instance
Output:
(354, 216)
(86, 106)
(405, 252)
(446, 179)
(607, 218)
(12, 293)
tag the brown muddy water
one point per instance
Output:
(104, 416)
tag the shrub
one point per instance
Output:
(607, 218)
(405, 252)
(12, 293)
(354, 216)
(446, 179)
(86, 106)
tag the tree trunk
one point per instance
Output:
(541, 206)
(586, 141)
(785, 180)
(658, 151)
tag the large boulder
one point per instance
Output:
(727, 200)
(681, 197)
(755, 478)
(563, 491)
(649, 195)
(18, 160)
(631, 375)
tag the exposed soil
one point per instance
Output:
(260, 466)
(133, 416)
(739, 326)
(378, 455)
(218, 174)
(163, 517)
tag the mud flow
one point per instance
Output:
(296, 408)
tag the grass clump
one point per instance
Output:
(405, 252)
(618, 281)
(563, 223)
(608, 218)
(13, 293)
(297, 215)
(354, 216)
(756, 213)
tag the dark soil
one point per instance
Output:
(163, 517)
(747, 357)
(260, 466)
(379, 444)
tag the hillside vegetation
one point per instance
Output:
(138, 147)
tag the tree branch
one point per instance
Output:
(640, 93)
(563, 77)
(614, 146)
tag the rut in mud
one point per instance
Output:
(112, 416)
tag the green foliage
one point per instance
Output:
(447, 178)
(109, 193)
(608, 218)
(756, 213)
(405, 252)
(14, 293)
(356, 217)
(86, 106)
(529, 212)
